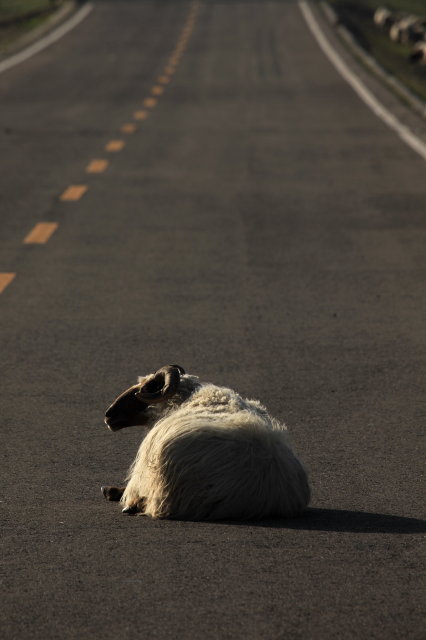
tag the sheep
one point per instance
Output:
(418, 53)
(384, 18)
(408, 29)
(209, 454)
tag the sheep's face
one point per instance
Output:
(126, 410)
(135, 405)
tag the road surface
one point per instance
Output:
(258, 226)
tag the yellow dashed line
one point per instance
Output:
(150, 102)
(114, 145)
(41, 233)
(97, 166)
(74, 192)
(157, 90)
(141, 115)
(129, 127)
(5, 280)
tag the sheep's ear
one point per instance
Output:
(180, 369)
(162, 385)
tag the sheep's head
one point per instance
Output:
(132, 406)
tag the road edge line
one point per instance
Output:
(47, 40)
(358, 86)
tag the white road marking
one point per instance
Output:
(369, 99)
(45, 42)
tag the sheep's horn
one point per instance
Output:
(162, 386)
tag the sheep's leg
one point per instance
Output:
(113, 494)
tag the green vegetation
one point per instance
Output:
(16, 9)
(18, 17)
(357, 16)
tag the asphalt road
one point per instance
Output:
(261, 228)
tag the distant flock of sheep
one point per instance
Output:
(404, 29)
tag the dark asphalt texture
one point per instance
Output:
(264, 230)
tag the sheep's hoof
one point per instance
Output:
(137, 507)
(131, 509)
(113, 494)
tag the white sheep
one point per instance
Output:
(418, 53)
(408, 29)
(383, 18)
(209, 455)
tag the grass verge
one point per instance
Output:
(18, 17)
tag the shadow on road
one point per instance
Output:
(346, 522)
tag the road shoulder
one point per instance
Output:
(47, 39)
(391, 100)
